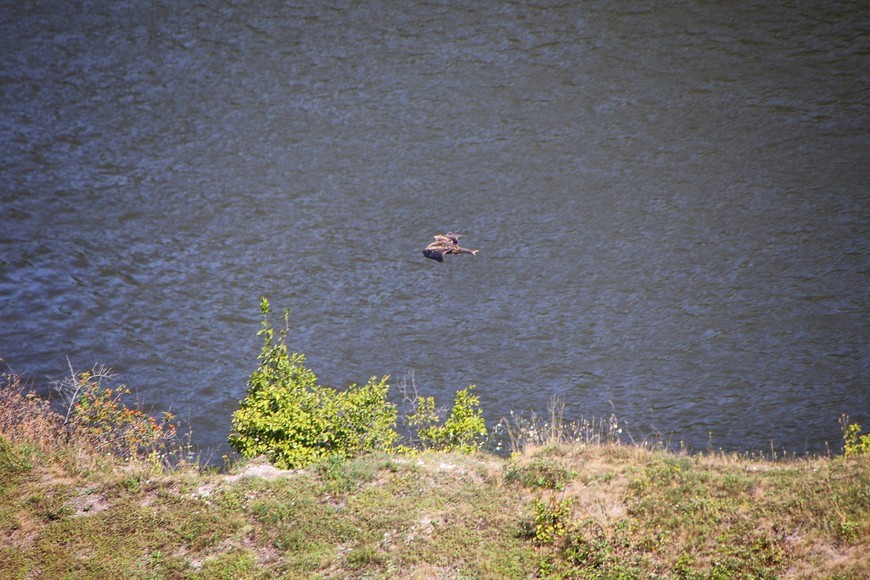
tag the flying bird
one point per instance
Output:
(446, 244)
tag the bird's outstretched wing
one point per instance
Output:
(448, 237)
(443, 241)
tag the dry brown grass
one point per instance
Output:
(26, 418)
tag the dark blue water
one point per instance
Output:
(671, 204)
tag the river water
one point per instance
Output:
(671, 202)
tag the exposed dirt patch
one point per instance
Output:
(88, 504)
(263, 470)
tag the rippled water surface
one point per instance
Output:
(671, 203)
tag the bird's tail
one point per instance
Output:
(466, 251)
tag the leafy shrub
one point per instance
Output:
(293, 421)
(463, 431)
(853, 442)
(552, 519)
(93, 417)
(96, 412)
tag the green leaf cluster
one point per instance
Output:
(292, 420)
(463, 431)
(552, 519)
(853, 442)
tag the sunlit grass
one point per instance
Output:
(573, 500)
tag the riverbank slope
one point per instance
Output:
(566, 510)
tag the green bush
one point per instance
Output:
(552, 520)
(853, 442)
(463, 431)
(293, 421)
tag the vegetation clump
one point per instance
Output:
(853, 442)
(463, 431)
(294, 421)
(97, 412)
(543, 473)
(94, 416)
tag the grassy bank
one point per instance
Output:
(70, 508)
